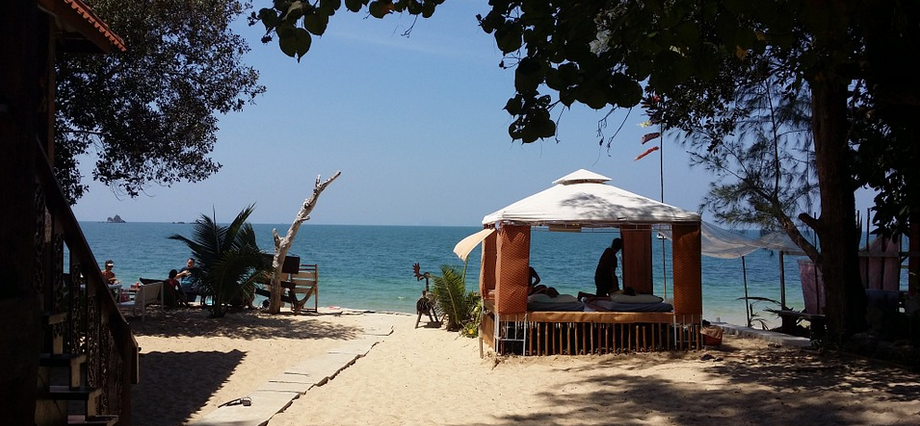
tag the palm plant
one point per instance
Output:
(455, 303)
(229, 258)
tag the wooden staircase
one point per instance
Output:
(63, 395)
(88, 358)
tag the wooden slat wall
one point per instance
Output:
(637, 258)
(512, 268)
(688, 289)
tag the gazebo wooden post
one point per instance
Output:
(512, 269)
(688, 290)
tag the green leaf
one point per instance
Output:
(353, 5)
(428, 9)
(567, 96)
(380, 8)
(546, 128)
(515, 105)
(508, 38)
(297, 44)
(269, 18)
(528, 75)
(285, 29)
(328, 7)
(491, 22)
(592, 96)
(316, 23)
(627, 91)
(414, 7)
(553, 79)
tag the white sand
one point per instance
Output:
(428, 376)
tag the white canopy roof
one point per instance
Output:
(724, 244)
(582, 198)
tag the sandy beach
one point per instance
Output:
(190, 364)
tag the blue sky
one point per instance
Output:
(415, 125)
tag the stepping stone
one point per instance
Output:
(360, 346)
(297, 378)
(324, 367)
(264, 406)
(286, 386)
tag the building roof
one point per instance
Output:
(80, 29)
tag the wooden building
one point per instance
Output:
(67, 356)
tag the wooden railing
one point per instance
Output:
(82, 320)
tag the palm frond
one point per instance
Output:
(455, 302)
(229, 258)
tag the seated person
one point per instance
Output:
(190, 278)
(174, 295)
(534, 280)
(536, 288)
(543, 298)
(108, 274)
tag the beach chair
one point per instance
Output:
(147, 294)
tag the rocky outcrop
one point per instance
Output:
(116, 219)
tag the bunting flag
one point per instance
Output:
(647, 152)
(649, 136)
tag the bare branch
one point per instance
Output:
(282, 245)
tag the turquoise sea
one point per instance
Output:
(370, 267)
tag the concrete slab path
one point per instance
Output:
(279, 392)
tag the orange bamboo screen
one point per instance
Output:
(688, 291)
(512, 269)
(637, 258)
(487, 266)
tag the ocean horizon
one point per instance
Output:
(369, 267)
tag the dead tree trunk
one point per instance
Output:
(282, 245)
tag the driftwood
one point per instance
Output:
(282, 245)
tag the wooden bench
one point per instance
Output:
(299, 286)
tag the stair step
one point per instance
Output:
(61, 360)
(72, 362)
(80, 419)
(66, 393)
(54, 318)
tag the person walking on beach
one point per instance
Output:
(108, 274)
(605, 276)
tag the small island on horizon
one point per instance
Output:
(114, 219)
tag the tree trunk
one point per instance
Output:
(837, 228)
(282, 245)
